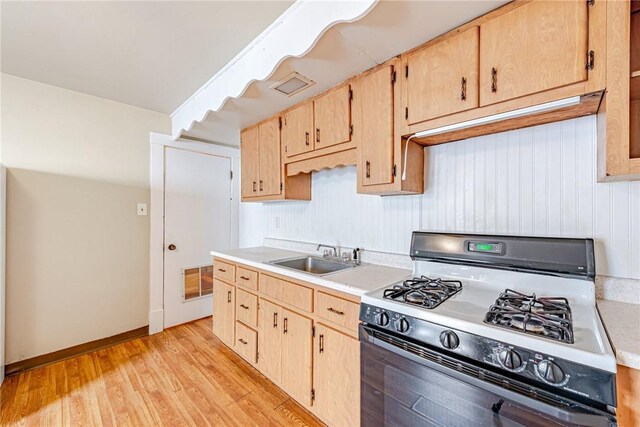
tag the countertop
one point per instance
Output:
(355, 281)
(622, 322)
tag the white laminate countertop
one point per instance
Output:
(622, 322)
(356, 281)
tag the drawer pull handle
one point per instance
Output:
(222, 271)
(244, 306)
(243, 341)
(244, 278)
(228, 296)
(321, 343)
(275, 320)
(333, 310)
(285, 326)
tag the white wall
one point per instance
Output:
(534, 181)
(77, 253)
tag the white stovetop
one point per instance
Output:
(356, 281)
(466, 310)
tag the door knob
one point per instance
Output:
(172, 247)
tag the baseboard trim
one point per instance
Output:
(77, 350)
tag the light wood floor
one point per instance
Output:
(184, 376)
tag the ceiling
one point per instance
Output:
(346, 49)
(151, 54)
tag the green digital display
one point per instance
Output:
(485, 247)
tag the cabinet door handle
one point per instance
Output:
(285, 325)
(275, 320)
(463, 93)
(306, 138)
(244, 306)
(368, 169)
(321, 343)
(494, 80)
(228, 296)
(317, 134)
(261, 189)
(333, 310)
(244, 278)
(253, 186)
(243, 341)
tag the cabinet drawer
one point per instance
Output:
(287, 292)
(246, 342)
(337, 310)
(224, 271)
(248, 278)
(246, 308)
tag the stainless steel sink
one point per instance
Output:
(313, 265)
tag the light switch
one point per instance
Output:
(142, 209)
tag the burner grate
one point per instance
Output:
(424, 291)
(547, 317)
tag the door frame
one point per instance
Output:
(158, 145)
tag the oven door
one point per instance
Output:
(404, 384)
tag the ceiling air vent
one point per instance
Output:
(292, 84)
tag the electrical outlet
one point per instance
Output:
(142, 209)
(277, 223)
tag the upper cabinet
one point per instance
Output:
(298, 133)
(443, 78)
(332, 116)
(250, 155)
(539, 46)
(269, 160)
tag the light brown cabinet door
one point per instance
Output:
(297, 132)
(373, 119)
(224, 312)
(296, 356)
(249, 162)
(270, 169)
(443, 78)
(538, 46)
(332, 117)
(270, 340)
(336, 377)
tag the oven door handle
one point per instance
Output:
(596, 419)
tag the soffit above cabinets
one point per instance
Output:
(326, 44)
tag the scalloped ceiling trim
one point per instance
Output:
(294, 34)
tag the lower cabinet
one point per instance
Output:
(224, 312)
(336, 377)
(270, 340)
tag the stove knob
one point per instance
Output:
(449, 340)
(402, 325)
(510, 359)
(550, 372)
(382, 319)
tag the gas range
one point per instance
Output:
(521, 308)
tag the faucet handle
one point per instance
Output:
(346, 256)
(325, 253)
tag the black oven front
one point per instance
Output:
(407, 384)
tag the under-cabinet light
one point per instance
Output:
(540, 108)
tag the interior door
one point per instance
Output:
(443, 78)
(538, 46)
(197, 193)
(297, 133)
(332, 117)
(296, 356)
(270, 170)
(270, 340)
(249, 162)
(373, 116)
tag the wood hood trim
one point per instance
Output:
(328, 161)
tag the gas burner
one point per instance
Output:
(547, 317)
(423, 291)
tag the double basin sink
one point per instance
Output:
(313, 265)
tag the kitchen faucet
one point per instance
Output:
(335, 251)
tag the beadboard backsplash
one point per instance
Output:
(537, 181)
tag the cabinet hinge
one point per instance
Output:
(279, 122)
(351, 130)
(406, 113)
(394, 170)
(591, 2)
(257, 357)
(285, 148)
(406, 71)
(590, 60)
(393, 77)
(350, 94)
(280, 186)
(231, 175)
(313, 394)
(313, 331)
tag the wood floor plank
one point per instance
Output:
(182, 377)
